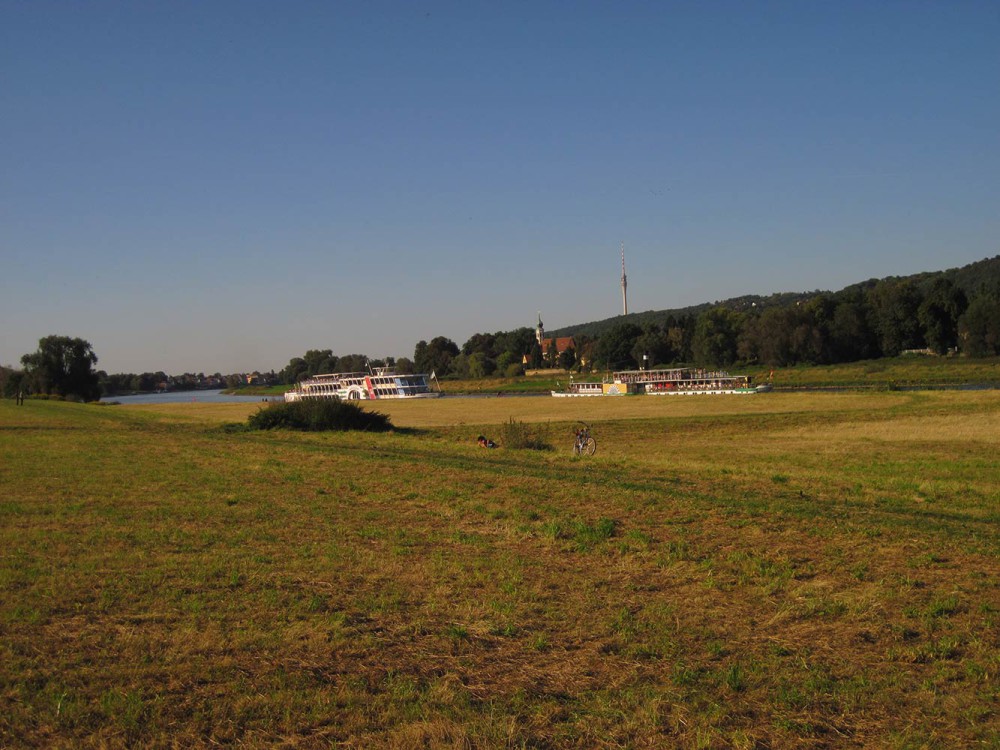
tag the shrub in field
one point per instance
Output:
(317, 415)
(514, 434)
(514, 370)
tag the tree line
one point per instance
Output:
(63, 367)
(865, 321)
(483, 355)
(956, 311)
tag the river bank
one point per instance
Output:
(907, 372)
(180, 397)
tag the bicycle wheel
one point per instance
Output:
(590, 447)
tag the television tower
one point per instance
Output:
(624, 284)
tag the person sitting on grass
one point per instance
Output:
(485, 442)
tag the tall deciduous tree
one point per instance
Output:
(63, 366)
(614, 348)
(567, 358)
(354, 363)
(552, 355)
(516, 343)
(652, 347)
(979, 327)
(894, 306)
(851, 334)
(436, 356)
(480, 365)
(715, 337)
(680, 333)
(320, 361)
(768, 337)
(11, 382)
(296, 370)
(404, 366)
(939, 314)
(482, 343)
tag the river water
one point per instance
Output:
(218, 397)
(187, 397)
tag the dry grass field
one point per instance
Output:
(770, 571)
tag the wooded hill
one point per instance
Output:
(972, 279)
(942, 312)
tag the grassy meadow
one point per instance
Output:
(787, 570)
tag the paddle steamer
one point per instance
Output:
(380, 383)
(675, 382)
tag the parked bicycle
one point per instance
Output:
(583, 442)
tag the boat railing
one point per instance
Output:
(672, 375)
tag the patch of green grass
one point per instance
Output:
(587, 535)
(457, 632)
(943, 607)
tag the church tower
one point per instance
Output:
(540, 330)
(624, 285)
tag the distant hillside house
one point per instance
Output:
(561, 344)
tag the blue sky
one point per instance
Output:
(220, 186)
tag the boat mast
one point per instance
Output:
(624, 284)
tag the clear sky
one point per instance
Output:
(220, 186)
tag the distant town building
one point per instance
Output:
(561, 344)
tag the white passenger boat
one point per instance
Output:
(675, 382)
(580, 389)
(381, 383)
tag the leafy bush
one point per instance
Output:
(515, 434)
(318, 414)
(514, 370)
